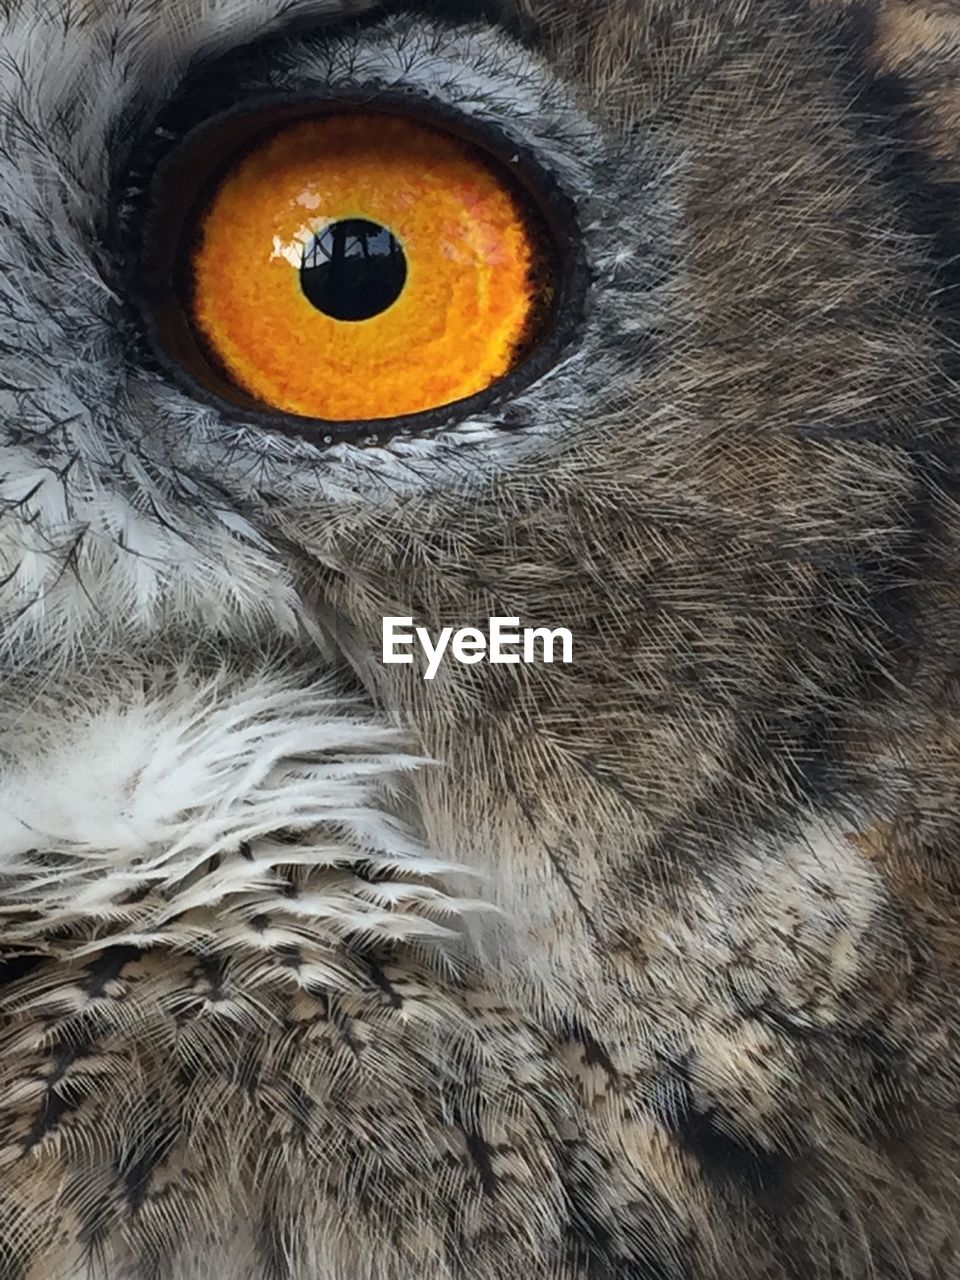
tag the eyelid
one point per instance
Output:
(211, 147)
(493, 85)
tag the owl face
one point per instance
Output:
(654, 440)
(674, 395)
(616, 318)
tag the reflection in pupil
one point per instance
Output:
(353, 270)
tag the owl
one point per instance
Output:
(479, 750)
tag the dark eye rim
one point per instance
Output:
(216, 143)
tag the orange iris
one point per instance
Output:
(366, 266)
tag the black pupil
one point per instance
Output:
(353, 270)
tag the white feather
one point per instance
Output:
(179, 790)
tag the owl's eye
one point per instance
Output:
(347, 265)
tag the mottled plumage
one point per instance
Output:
(642, 968)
